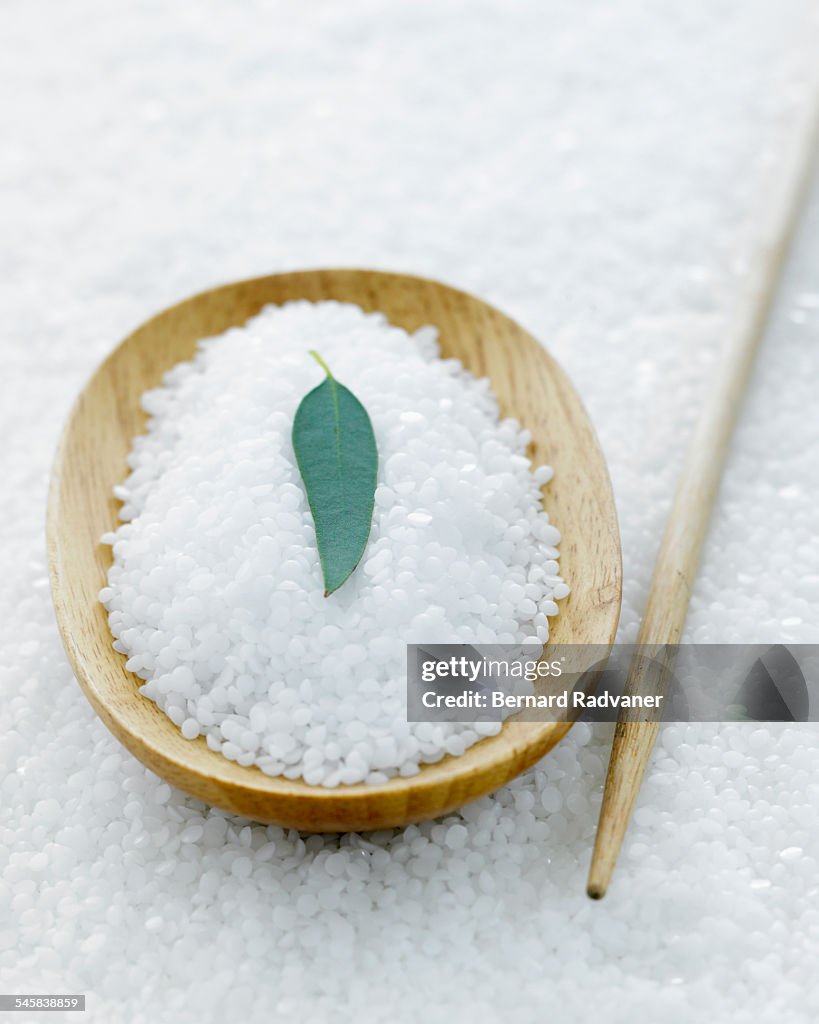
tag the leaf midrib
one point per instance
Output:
(337, 428)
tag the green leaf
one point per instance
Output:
(335, 450)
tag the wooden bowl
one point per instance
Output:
(91, 460)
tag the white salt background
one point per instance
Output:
(594, 170)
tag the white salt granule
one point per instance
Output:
(216, 595)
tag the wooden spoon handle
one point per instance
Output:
(679, 554)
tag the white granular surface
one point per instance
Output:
(216, 592)
(594, 169)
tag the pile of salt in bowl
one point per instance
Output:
(215, 593)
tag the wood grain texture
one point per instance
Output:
(91, 459)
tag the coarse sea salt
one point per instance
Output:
(215, 594)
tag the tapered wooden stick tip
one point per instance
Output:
(603, 862)
(630, 752)
(604, 859)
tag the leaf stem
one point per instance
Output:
(321, 363)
